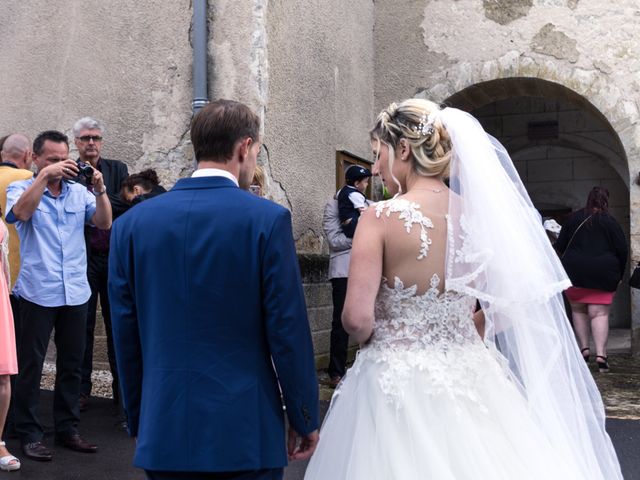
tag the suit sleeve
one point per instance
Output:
(338, 241)
(287, 327)
(126, 335)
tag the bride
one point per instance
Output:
(437, 392)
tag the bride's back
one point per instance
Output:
(415, 235)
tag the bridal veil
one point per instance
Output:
(499, 253)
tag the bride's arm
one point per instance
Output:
(365, 273)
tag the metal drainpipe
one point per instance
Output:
(200, 37)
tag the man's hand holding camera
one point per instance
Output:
(64, 169)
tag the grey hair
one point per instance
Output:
(87, 123)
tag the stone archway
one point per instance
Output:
(555, 134)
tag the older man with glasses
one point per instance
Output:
(88, 133)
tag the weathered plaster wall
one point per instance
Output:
(320, 100)
(307, 67)
(126, 63)
(440, 47)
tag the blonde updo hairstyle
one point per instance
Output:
(417, 121)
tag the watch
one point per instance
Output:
(97, 194)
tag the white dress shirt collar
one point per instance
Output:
(215, 172)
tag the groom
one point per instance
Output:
(209, 317)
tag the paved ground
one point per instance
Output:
(620, 390)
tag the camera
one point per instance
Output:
(85, 171)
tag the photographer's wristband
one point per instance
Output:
(97, 194)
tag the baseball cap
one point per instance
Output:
(356, 172)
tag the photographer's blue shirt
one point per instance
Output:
(53, 270)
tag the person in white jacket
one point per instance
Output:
(339, 256)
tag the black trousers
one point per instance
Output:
(270, 474)
(37, 323)
(339, 338)
(97, 274)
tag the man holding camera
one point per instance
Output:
(50, 212)
(88, 133)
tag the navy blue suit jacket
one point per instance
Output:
(205, 291)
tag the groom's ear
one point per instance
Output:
(243, 148)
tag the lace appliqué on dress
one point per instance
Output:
(431, 336)
(411, 214)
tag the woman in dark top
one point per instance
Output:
(594, 254)
(141, 186)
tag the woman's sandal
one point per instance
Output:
(603, 366)
(9, 463)
(586, 357)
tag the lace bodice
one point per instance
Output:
(431, 332)
(433, 320)
(405, 319)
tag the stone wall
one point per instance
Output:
(317, 291)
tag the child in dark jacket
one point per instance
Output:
(351, 199)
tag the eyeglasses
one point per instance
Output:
(88, 138)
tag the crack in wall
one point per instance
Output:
(273, 189)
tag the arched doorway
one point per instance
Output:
(561, 145)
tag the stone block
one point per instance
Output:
(314, 268)
(321, 342)
(515, 125)
(577, 121)
(620, 313)
(563, 152)
(549, 170)
(320, 318)
(592, 168)
(569, 194)
(532, 153)
(526, 105)
(492, 125)
(618, 192)
(318, 294)
(604, 137)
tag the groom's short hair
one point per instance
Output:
(217, 128)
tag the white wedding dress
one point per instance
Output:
(426, 398)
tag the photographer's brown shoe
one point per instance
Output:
(74, 441)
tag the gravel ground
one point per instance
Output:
(101, 380)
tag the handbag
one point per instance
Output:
(634, 279)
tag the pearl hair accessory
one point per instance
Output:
(425, 128)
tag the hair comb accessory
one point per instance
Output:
(425, 128)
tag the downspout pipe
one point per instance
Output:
(199, 39)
